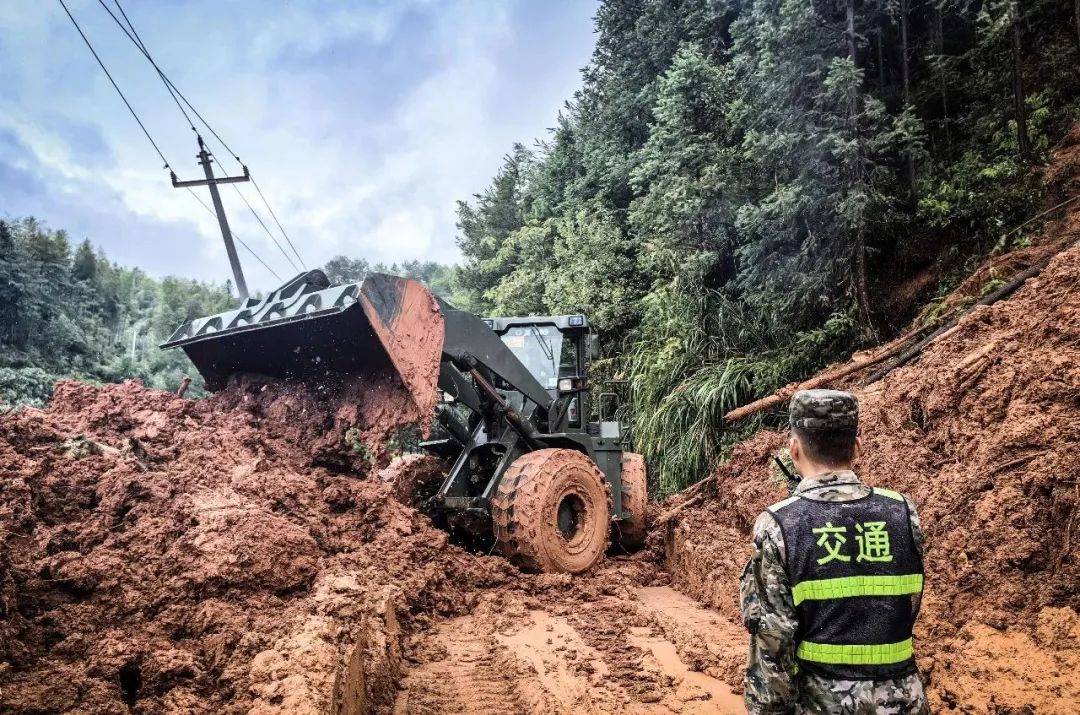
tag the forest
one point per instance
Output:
(740, 193)
(743, 191)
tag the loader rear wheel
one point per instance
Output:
(552, 511)
(631, 531)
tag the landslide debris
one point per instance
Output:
(250, 553)
(223, 555)
(982, 432)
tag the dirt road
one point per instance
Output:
(652, 650)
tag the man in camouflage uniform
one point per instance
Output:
(834, 584)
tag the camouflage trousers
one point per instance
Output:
(903, 696)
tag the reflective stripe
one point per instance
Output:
(885, 654)
(889, 493)
(851, 586)
(781, 504)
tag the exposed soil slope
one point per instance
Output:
(982, 432)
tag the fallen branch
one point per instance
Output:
(672, 513)
(694, 488)
(1012, 463)
(993, 297)
(783, 395)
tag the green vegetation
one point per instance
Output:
(437, 276)
(739, 184)
(72, 313)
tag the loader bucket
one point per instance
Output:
(309, 330)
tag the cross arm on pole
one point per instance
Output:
(178, 184)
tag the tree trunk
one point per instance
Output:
(1019, 103)
(1076, 12)
(905, 69)
(906, 77)
(881, 47)
(851, 29)
(862, 292)
(939, 50)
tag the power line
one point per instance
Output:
(137, 40)
(142, 126)
(274, 215)
(261, 223)
(114, 84)
(133, 35)
(174, 92)
(237, 238)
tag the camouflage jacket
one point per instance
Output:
(768, 609)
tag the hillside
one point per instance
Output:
(743, 192)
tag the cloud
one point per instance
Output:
(363, 122)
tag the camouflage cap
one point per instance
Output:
(824, 409)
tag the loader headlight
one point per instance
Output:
(576, 321)
(572, 384)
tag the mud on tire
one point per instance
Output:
(630, 532)
(551, 512)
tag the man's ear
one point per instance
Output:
(794, 448)
(858, 449)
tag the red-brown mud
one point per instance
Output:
(224, 555)
(983, 433)
(412, 335)
(245, 553)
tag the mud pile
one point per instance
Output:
(224, 555)
(983, 433)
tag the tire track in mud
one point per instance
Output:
(461, 671)
(656, 651)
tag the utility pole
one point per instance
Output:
(212, 181)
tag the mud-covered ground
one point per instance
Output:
(221, 555)
(246, 553)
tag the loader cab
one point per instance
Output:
(557, 350)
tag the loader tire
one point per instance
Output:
(552, 512)
(630, 532)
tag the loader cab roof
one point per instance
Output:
(562, 322)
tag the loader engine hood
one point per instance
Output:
(308, 330)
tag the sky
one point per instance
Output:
(364, 121)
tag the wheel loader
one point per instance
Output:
(529, 469)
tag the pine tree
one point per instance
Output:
(682, 174)
(84, 263)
